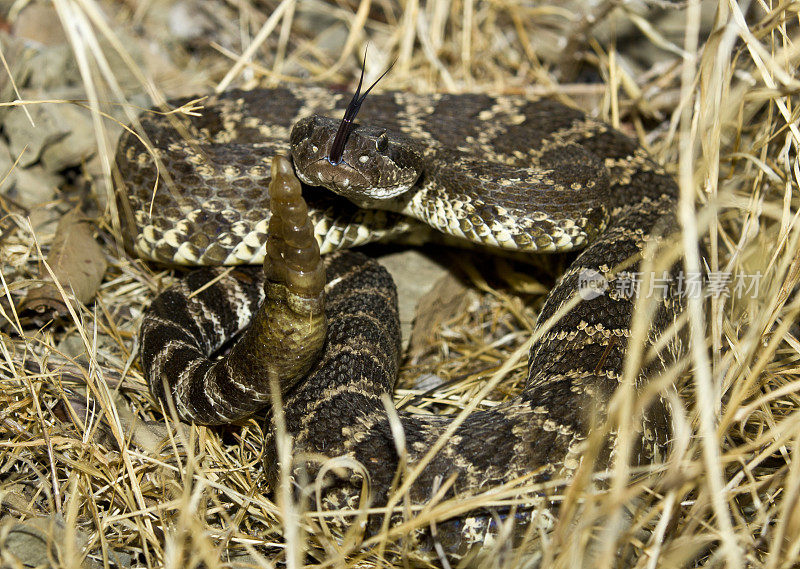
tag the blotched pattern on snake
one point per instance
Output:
(506, 172)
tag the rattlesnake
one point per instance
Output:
(507, 172)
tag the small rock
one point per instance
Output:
(78, 144)
(53, 66)
(26, 140)
(33, 186)
(445, 300)
(414, 274)
(428, 381)
(6, 162)
(40, 23)
(36, 67)
(188, 22)
(18, 56)
(62, 137)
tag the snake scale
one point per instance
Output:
(507, 172)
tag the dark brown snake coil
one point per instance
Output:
(505, 172)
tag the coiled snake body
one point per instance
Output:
(507, 172)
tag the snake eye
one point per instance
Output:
(382, 142)
(302, 130)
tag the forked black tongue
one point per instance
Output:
(346, 126)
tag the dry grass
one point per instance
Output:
(83, 471)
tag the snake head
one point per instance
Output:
(374, 166)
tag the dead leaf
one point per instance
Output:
(78, 263)
(40, 542)
(448, 298)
